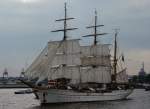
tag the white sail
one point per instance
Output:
(96, 50)
(122, 77)
(39, 65)
(65, 62)
(61, 59)
(56, 54)
(68, 53)
(96, 55)
(98, 74)
(69, 72)
(100, 60)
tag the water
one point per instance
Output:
(140, 99)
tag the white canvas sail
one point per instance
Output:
(98, 74)
(96, 55)
(68, 53)
(69, 72)
(96, 50)
(122, 77)
(56, 54)
(65, 63)
(97, 60)
(39, 65)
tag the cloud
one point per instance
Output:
(139, 3)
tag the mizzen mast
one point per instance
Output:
(115, 58)
(65, 29)
(95, 34)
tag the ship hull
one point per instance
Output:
(68, 96)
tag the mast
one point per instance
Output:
(115, 58)
(65, 29)
(143, 65)
(95, 34)
(67, 66)
(97, 56)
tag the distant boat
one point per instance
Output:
(27, 91)
(78, 73)
(147, 87)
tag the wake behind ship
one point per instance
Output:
(78, 73)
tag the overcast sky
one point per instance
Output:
(25, 27)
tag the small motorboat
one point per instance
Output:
(147, 88)
(27, 91)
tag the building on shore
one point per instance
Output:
(142, 71)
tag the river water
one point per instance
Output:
(139, 99)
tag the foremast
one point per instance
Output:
(65, 29)
(63, 64)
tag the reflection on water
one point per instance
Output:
(8, 100)
(91, 105)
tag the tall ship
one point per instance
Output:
(76, 73)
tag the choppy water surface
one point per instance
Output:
(140, 99)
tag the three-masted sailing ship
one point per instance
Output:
(78, 73)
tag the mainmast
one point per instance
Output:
(115, 58)
(95, 34)
(96, 58)
(65, 29)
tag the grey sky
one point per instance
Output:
(25, 27)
